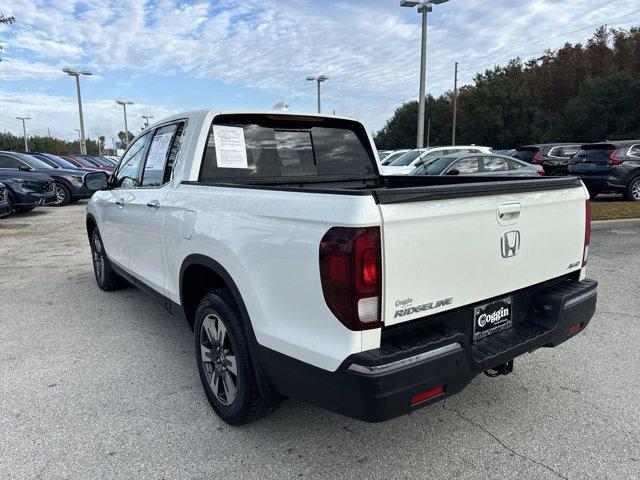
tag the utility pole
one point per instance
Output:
(146, 119)
(76, 74)
(424, 7)
(113, 144)
(24, 131)
(79, 139)
(124, 104)
(319, 79)
(455, 105)
(48, 132)
(99, 146)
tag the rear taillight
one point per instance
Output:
(540, 171)
(427, 395)
(537, 158)
(351, 277)
(587, 232)
(613, 158)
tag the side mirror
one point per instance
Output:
(25, 168)
(453, 171)
(95, 181)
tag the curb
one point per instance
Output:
(619, 223)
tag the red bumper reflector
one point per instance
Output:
(426, 395)
(574, 329)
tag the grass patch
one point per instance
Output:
(615, 210)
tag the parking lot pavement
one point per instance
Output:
(104, 385)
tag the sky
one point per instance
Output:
(168, 56)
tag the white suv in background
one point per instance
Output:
(407, 163)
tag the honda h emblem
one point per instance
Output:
(510, 244)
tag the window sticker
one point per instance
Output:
(158, 151)
(231, 151)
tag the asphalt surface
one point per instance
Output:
(104, 385)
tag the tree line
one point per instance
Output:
(579, 93)
(58, 146)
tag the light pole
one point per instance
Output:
(146, 119)
(455, 105)
(79, 139)
(75, 73)
(24, 131)
(124, 104)
(319, 79)
(424, 7)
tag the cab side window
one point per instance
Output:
(162, 154)
(128, 174)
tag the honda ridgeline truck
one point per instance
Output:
(305, 273)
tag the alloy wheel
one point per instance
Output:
(60, 194)
(218, 359)
(635, 190)
(98, 258)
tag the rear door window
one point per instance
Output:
(634, 151)
(466, 166)
(525, 155)
(495, 164)
(246, 147)
(594, 154)
(9, 162)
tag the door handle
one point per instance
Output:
(120, 202)
(153, 204)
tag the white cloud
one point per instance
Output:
(370, 48)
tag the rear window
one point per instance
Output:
(406, 159)
(594, 154)
(246, 147)
(525, 154)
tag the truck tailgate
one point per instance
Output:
(441, 254)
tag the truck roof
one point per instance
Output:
(212, 112)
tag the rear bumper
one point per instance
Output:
(602, 183)
(380, 384)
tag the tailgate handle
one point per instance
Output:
(509, 213)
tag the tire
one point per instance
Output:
(25, 209)
(235, 397)
(106, 278)
(12, 209)
(632, 192)
(63, 196)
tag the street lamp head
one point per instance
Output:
(323, 78)
(408, 3)
(311, 79)
(124, 102)
(85, 72)
(69, 71)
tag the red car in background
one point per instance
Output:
(86, 161)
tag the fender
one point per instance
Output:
(196, 259)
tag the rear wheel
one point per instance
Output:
(593, 194)
(224, 361)
(63, 196)
(10, 204)
(106, 278)
(632, 193)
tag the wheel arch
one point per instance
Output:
(200, 275)
(91, 224)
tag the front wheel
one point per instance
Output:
(63, 196)
(224, 361)
(632, 193)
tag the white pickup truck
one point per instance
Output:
(305, 273)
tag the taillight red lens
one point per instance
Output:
(540, 171)
(426, 395)
(537, 158)
(587, 232)
(350, 273)
(613, 158)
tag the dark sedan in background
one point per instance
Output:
(67, 183)
(609, 167)
(27, 190)
(475, 164)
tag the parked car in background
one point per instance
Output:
(68, 183)
(81, 161)
(408, 162)
(392, 156)
(5, 208)
(382, 154)
(110, 161)
(554, 157)
(27, 190)
(474, 164)
(609, 167)
(57, 161)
